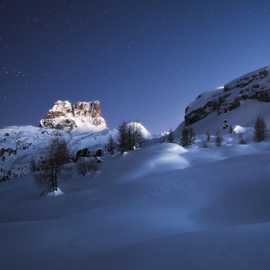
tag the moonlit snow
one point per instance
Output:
(160, 207)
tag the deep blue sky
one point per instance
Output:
(144, 60)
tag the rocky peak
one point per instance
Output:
(86, 115)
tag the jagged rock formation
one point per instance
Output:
(85, 115)
(238, 102)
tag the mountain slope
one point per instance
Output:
(239, 102)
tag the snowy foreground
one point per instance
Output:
(162, 207)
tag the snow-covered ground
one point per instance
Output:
(161, 207)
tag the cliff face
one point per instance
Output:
(84, 115)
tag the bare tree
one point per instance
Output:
(50, 167)
(130, 137)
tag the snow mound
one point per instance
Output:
(55, 193)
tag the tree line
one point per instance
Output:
(188, 136)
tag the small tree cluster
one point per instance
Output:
(260, 130)
(187, 137)
(50, 167)
(130, 137)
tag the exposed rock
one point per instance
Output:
(85, 115)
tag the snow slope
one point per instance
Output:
(155, 208)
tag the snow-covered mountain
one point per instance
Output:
(238, 102)
(81, 115)
(21, 144)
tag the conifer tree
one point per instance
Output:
(208, 136)
(123, 140)
(170, 137)
(219, 138)
(188, 136)
(111, 145)
(260, 130)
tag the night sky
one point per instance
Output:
(144, 60)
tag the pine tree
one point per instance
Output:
(188, 136)
(170, 137)
(191, 136)
(123, 140)
(111, 146)
(184, 137)
(260, 130)
(208, 136)
(138, 138)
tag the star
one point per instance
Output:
(106, 12)
(131, 44)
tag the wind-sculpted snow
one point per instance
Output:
(194, 209)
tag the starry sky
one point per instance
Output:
(144, 60)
